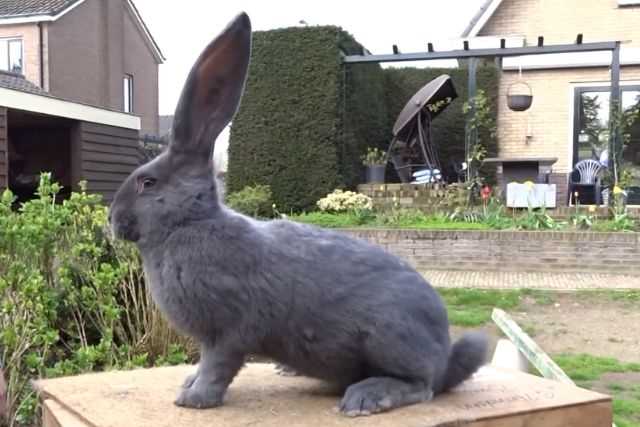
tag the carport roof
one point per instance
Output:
(18, 93)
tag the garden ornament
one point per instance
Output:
(324, 304)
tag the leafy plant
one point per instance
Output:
(581, 220)
(482, 132)
(373, 157)
(537, 219)
(71, 299)
(255, 201)
(344, 201)
(621, 122)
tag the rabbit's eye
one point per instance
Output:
(145, 184)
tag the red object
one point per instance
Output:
(485, 193)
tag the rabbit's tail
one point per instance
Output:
(467, 355)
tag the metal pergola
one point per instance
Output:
(473, 55)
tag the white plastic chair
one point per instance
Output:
(588, 171)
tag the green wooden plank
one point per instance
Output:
(528, 347)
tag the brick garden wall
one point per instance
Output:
(428, 198)
(536, 251)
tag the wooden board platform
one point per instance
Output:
(259, 397)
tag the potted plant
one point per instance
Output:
(375, 162)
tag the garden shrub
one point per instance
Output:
(305, 120)
(255, 201)
(71, 299)
(344, 201)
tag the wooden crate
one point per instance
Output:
(492, 398)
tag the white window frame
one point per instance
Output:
(8, 41)
(127, 93)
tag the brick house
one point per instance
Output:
(569, 115)
(90, 51)
(78, 85)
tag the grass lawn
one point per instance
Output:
(609, 376)
(565, 334)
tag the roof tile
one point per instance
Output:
(18, 82)
(23, 8)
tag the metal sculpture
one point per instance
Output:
(413, 151)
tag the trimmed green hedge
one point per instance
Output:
(305, 119)
(289, 132)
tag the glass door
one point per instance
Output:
(591, 131)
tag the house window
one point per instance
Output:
(11, 55)
(591, 131)
(128, 93)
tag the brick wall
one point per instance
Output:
(561, 21)
(419, 196)
(536, 251)
(90, 50)
(550, 119)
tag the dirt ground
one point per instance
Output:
(575, 323)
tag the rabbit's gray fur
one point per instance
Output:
(327, 305)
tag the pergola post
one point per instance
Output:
(614, 103)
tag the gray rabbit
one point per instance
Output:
(326, 305)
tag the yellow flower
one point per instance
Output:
(529, 184)
(592, 208)
(617, 190)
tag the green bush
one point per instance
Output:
(254, 201)
(305, 120)
(344, 201)
(71, 299)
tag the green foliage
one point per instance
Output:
(71, 299)
(331, 220)
(291, 130)
(176, 355)
(585, 367)
(344, 201)
(536, 219)
(396, 218)
(481, 123)
(254, 201)
(374, 156)
(473, 307)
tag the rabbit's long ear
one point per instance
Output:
(212, 92)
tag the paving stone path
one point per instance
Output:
(513, 280)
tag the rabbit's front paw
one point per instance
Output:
(188, 382)
(199, 397)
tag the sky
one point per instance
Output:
(182, 29)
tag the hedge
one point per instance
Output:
(305, 119)
(289, 132)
